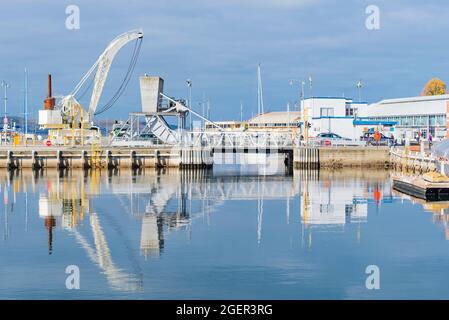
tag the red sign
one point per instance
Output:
(48, 143)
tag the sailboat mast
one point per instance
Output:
(260, 108)
(25, 111)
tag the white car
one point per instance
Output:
(328, 138)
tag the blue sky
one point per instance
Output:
(218, 45)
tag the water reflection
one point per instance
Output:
(123, 220)
(165, 201)
(439, 210)
(331, 199)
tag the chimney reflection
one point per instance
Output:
(167, 201)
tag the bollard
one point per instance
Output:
(34, 164)
(9, 160)
(83, 160)
(59, 163)
(132, 158)
(107, 160)
(157, 155)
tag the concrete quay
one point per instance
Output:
(39, 157)
(341, 157)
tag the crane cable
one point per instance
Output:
(87, 89)
(126, 79)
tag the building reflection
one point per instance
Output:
(330, 199)
(167, 201)
(439, 210)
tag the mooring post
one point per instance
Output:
(83, 160)
(59, 163)
(132, 156)
(33, 159)
(9, 160)
(108, 159)
(156, 158)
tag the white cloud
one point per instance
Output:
(266, 3)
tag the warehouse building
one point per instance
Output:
(269, 121)
(275, 121)
(418, 115)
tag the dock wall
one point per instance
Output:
(341, 157)
(105, 158)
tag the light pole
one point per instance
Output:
(5, 85)
(359, 86)
(202, 106)
(208, 109)
(301, 106)
(189, 85)
(311, 86)
(300, 82)
(26, 105)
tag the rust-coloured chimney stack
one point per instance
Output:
(49, 102)
(50, 223)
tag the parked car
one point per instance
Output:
(369, 138)
(328, 138)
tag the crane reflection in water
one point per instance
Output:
(168, 202)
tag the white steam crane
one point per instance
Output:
(67, 120)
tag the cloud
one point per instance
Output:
(263, 3)
(218, 44)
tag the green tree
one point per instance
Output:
(434, 87)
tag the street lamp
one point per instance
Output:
(5, 85)
(301, 93)
(189, 85)
(359, 86)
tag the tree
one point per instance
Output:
(434, 87)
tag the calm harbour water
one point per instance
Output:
(218, 234)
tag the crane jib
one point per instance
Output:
(102, 66)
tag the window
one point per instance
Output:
(349, 112)
(327, 112)
(441, 120)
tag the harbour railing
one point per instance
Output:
(404, 159)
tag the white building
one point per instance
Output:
(404, 118)
(425, 115)
(333, 114)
